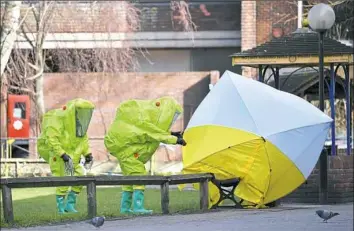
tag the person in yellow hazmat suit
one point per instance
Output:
(135, 134)
(63, 140)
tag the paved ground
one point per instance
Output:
(287, 217)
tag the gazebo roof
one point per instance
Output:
(299, 47)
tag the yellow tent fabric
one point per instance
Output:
(248, 157)
(269, 139)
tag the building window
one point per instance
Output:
(207, 16)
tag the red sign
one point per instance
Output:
(18, 116)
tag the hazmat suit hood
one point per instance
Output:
(77, 116)
(164, 112)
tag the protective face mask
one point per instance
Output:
(175, 117)
(83, 118)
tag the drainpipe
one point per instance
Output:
(299, 14)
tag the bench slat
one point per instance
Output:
(189, 178)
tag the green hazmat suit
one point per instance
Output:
(135, 134)
(64, 132)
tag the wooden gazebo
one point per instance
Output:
(300, 49)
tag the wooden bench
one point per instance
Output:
(92, 181)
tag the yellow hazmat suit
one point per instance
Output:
(64, 140)
(135, 134)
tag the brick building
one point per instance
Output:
(220, 29)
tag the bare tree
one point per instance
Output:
(26, 66)
(109, 18)
(182, 16)
(106, 22)
(9, 25)
(343, 27)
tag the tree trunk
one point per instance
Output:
(39, 97)
(3, 109)
(8, 33)
(39, 80)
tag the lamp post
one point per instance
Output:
(321, 17)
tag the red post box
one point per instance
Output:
(18, 116)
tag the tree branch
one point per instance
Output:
(22, 89)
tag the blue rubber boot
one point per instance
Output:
(138, 204)
(71, 202)
(126, 202)
(60, 204)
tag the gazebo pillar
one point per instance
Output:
(276, 78)
(348, 106)
(332, 96)
(260, 74)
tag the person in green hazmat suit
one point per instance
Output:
(64, 140)
(135, 134)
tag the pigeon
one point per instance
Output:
(326, 215)
(97, 221)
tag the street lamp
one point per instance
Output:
(321, 17)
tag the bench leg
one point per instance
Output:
(165, 198)
(7, 204)
(91, 200)
(229, 195)
(204, 195)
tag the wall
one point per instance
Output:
(258, 20)
(197, 59)
(340, 183)
(249, 33)
(275, 14)
(100, 17)
(169, 60)
(204, 59)
(107, 91)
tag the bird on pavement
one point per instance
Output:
(326, 215)
(97, 221)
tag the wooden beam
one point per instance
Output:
(130, 180)
(91, 200)
(190, 178)
(165, 198)
(30, 182)
(204, 195)
(7, 204)
(290, 60)
(22, 160)
(26, 182)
